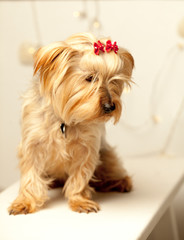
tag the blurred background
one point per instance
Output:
(152, 122)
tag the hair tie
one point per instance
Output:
(98, 46)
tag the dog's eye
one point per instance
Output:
(89, 79)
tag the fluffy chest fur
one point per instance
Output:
(59, 151)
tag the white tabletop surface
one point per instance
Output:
(127, 216)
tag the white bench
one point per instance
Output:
(127, 216)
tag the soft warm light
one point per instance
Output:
(96, 24)
(76, 14)
(157, 119)
(26, 52)
(31, 50)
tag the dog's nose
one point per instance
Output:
(108, 108)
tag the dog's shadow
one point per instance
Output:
(105, 197)
(56, 197)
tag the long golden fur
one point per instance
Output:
(71, 86)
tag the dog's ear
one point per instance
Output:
(128, 61)
(49, 60)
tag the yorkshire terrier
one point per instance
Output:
(76, 89)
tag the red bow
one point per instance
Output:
(109, 46)
(97, 47)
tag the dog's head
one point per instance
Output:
(83, 81)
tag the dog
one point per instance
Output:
(76, 89)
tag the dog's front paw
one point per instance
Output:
(83, 205)
(21, 208)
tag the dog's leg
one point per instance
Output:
(76, 187)
(110, 175)
(33, 186)
(32, 194)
